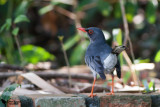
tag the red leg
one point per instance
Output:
(91, 94)
(112, 92)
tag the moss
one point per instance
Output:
(26, 101)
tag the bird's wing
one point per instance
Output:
(94, 62)
(118, 69)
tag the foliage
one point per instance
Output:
(71, 42)
(7, 93)
(104, 7)
(151, 11)
(157, 57)
(148, 87)
(21, 18)
(78, 50)
(34, 54)
(117, 37)
(17, 22)
(137, 61)
(131, 9)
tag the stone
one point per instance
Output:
(155, 100)
(26, 101)
(60, 102)
(90, 102)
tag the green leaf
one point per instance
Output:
(22, 8)
(78, 50)
(2, 2)
(145, 83)
(45, 9)
(2, 104)
(142, 60)
(34, 54)
(157, 57)
(104, 7)
(68, 2)
(131, 9)
(71, 41)
(6, 95)
(117, 37)
(6, 26)
(154, 88)
(15, 31)
(117, 10)
(151, 12)
(61, 38)
(150, 84)
(11, 87)
(126, 77)
(21, 18)
(83, 3)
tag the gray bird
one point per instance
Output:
(100, 57)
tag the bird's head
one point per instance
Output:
(95, 34)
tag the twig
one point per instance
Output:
(65, 12)
(88, 6)
(130, 66)
(127, 38)
(18, 45)
(66, 60)
(19, 48)
(77, 19)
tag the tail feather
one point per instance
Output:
(118, 49)
(102, 75)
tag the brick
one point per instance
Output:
(82, 100)
(90, 102)
(125, 100)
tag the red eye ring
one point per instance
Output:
(90, 31)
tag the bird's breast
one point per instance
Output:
(110, 62)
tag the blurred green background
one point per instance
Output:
(29, 29)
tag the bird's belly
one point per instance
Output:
(110, 62)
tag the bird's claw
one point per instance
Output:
(92, 95)
(111, 93)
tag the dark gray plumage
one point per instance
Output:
(100, 57)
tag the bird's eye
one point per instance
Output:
(90, 31)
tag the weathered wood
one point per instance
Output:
(35, 79)
(49, 75)
(10, 67)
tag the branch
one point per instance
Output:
(65, 12)
(11, 67)
(49, 75)
(127, 39)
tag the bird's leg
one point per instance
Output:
(91, 94)
(112, 92)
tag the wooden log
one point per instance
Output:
(49, 75)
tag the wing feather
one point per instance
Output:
(94, 62)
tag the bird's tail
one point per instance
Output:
(118, 49)
(102, 75)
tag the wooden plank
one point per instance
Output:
(35, 79)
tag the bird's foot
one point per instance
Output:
(111, 93)
(92, 95)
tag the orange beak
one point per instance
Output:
(82, 29)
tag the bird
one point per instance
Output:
(100, 57)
